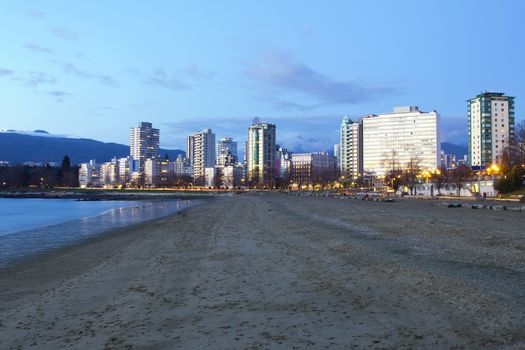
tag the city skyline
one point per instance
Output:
(75, 71)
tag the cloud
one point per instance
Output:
(58, 95)
(63, 33)
(278, 72)
(297, 133)
(5, 72)
(106, 80)
(133, 71)
(34, 79)
(27, 79)
(70, 68)
(39, 49)
(161, 79)
(35, 14)
(193, 71)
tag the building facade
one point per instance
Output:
(491, 127)
(399, 137)
(226, 152)
(158, 172)
(109, 173)
(144, 142)
(231, 176)
(190, 148)
(183, 166)
(203, 153)
(312, 168)
(337, 155)
(350, 148)
(283, 160)
(89, 174)
(260, 157)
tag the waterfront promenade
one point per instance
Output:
(271, 271)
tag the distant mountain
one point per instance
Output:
(18, 148)
(450, 148)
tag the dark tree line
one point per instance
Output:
(45, 176)
(512, 167)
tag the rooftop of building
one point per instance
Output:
(492, 95)
(262, 125)
(400, 110)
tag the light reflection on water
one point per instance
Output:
(27, 243)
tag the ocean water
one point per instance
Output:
(30, 227)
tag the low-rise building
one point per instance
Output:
(158, 172)
(89, 174)
(309, 168)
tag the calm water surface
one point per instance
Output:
(30, 227)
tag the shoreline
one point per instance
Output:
(87, 254)
(95, 236)
(285, 272)
(110, 195)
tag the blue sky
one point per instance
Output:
(93, 69)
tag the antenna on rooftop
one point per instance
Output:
(256, 120)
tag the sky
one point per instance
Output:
(94, 69)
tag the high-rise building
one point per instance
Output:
(203, 153)
(491, 127)
(190, 148)
(351, 148)
(144, 142)
(261, 155)
(226, 152)
(337, 155)
(284, 158)
(398, 138)
(124, 171)
(308, 168)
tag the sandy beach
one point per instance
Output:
(273, 271)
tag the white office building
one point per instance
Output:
(406, 133)
(203, 152)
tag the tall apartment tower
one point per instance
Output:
(204, 152)
(400, 136)
(226, 152)
(491, 127)
(144, 142)
(261, 155)
(190, 148)
(351, 148)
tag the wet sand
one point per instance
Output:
(280, 272)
